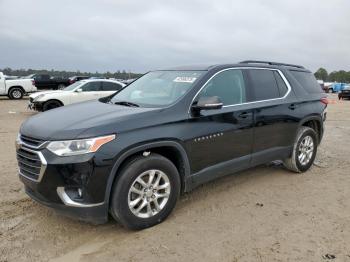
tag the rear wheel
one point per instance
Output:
(51, 104)
(304, 151)
(145, 192)
(16, 93)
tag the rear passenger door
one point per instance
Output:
(275, 117)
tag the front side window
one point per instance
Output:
(91, 87)
(158, 88)
(228, 86)
(264, 84)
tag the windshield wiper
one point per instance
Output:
(126, 103)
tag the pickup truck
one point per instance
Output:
(45, 81)
(16, 88)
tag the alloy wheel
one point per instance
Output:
(306, 150)
(149, 193)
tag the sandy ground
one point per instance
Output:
(302, 217)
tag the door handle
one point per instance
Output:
(292, 106)
(244, 115)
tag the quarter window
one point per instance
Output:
(228, 86)
(264, 84)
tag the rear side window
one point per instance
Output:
(108, 86)
(264, 84)
(307, 81)
(228, 86)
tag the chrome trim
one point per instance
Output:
(246, 103)
(69, 202)
(20, 141)
(42, 167)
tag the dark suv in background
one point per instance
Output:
(131, 154)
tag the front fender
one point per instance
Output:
(139, 148)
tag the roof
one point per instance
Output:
(264, 64)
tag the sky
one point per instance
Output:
(138, 36)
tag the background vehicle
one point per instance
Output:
(45, 81)
(132, 154)
(74, 79)
(16, 88)
(78, 92)
(336, 87)
(345, 93)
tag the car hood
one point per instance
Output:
(83, 120)
(46, 93)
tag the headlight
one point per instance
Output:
(38, 97)
(78, 147)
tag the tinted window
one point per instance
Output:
(109, 86)
(264, 84)
(228, 86)
(281, 84)
(91, 86)
(308, 81)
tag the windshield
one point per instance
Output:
(158, 88)
(73, 86)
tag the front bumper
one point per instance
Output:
(74, 186)
(37, 106)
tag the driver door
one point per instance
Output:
(89, 91)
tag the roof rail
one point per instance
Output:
(270, 63)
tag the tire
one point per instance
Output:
(61, 86)
(16, 93)
(51, 104)
(124, 203)
(295, 162)
(331, 90)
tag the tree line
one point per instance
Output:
(65, 74)
(340, 76)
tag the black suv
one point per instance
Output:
(131, 154)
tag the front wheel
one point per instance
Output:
(16, 93)
(145, 192)
(304, 151)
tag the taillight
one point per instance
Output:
(324, 100)
(33, 82)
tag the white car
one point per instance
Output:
(80, 91)
(15, 88)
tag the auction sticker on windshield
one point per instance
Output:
(185, 79)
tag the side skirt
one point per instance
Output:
(236, 165)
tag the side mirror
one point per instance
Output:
(208, 103)
(79, 90)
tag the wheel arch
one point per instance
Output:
(16, 86)
(314, 122)
(54, 99)
(172, 150)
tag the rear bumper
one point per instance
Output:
(91, 214)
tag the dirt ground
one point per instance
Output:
(263, 214)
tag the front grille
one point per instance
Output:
(30, 164)
(32, 142)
